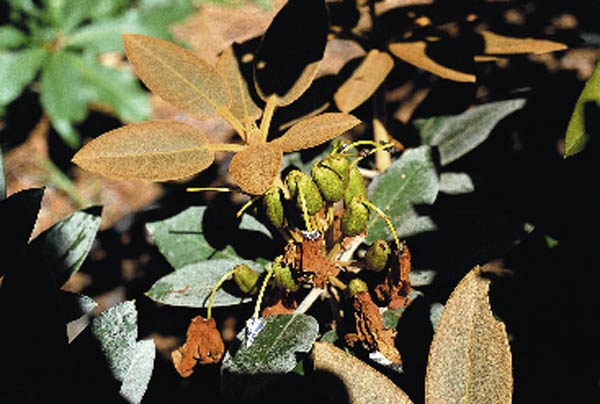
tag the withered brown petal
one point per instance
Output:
(255, 168)
(315, 131)
(154, 151)
(203, 344)
(469, 359)
(363, 383)
(242, 107)
(363, 82)
(414, 53)
(291, 51)
(496, 44)
(177, 75)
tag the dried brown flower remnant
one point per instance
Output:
(370, 330)
(309, 258)
(396, 285)
(282, 302)
(203, 344)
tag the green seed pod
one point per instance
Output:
(354, 218)
(331, 176)
(246, 279)
(357, 285)
(296, 180)
(283, 277)
(273, 205)
(377, 256)
(356, 186)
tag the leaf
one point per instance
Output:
(11, 38)
(435, 312)
(75, 305)
(191, 285)
(275, 347)
(469, 359)
(138, 376)
(411, 180)
(364, 81)
(415, 54)
(457, 135)
(503, 45)
(242, 107)
(362, 383)
(62, 248)
(456, 183)
(181, 239)
(578, 131)
(154, 151)
(2, 177)
(177, 75)
(104, 35)
(315, 131)
(291, 51)
(17, 70)
(255, 168)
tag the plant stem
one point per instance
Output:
(265, 122)
(219, 283)
(261, 293)
(235, 123)
(226, 147)
(387, 219)
(308, 301)
(60, 180)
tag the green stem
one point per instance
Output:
(214, 291)
(62, 182)
(387, 219)
(261, 293)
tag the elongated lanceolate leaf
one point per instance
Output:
(363, 383)
(191, 285)
(140, 370)
(177, 75)
(275, 347)
(457, 135)
(502, 45)
(469, 359)
(364, 81)
(315, 131)
(155, 151)
(411, 180)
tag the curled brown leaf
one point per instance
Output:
(203, 344)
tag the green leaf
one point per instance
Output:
(67, 14)
(577, 132)
(17, 70)
(11, 38)
(104, 35)
(62, 248)
(182, 241)
(457, 135)
(435, 311)
(138, 376)
(456, 183)
(191, 285)
(156, 18)
(274, 349)
(411, 180)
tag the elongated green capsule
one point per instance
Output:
(357, 286)
(273, 205)
(283, 277)
(331, 176)
(356, 185)
(377, 256)
(296, 180)
(355, 218)
(246, 279)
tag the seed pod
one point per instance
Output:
(273, 205)
(246, 279)
(331, 176)
(357, 285)
(356, 186)
(296, 180)
(354, 218)
(283, 277)
(377, 256)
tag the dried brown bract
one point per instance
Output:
(310, 259)
(203, 344)
(282, 302)
(395, 288)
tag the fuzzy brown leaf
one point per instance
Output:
(415, 54)
(154, 151)
(242, 106)
(177, 75)
(503, 45)
(363, 82)
(315, 131)
(470, 359)
(255, 168)
(363, 383)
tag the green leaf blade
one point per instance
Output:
(11, 38)
(17, 70)
(138, 376)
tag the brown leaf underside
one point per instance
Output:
(203, 344)
(496, 44)
(255, 168)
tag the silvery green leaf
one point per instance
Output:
(138, 376)
(456, 183)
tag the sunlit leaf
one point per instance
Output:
(456, 183)
(275, 348)
(315, 131)
(139, 373)
(255, 168)
(191, 285)
(155, 151)
(415, 54)
(11, 37)
(469, 359)
(242, 107)
(363, 82)
(362, 383)
(291, 51)
(177, 75)
(578, 130)
(17, 70)
(502, 45)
